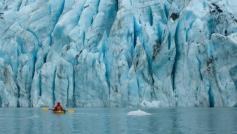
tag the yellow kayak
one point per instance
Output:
(59, 112)
(69, 110)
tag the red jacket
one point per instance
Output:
(58, 107)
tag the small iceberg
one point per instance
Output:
(138, 113)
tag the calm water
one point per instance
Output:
(116, 121)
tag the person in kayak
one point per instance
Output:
(58, 107)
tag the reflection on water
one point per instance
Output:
(116, 121)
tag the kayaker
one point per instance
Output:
(58, 107)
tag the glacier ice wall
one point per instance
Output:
(118, 53)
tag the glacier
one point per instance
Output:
(118, 53)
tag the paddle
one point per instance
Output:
(70, 110)
(45, 108)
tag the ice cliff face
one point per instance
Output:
(118, 53)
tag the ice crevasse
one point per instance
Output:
(118, 53)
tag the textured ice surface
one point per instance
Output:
(118, 53)
(138, 113)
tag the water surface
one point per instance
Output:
(116, 121)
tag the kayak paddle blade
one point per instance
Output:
(45, 108)
(71, 110)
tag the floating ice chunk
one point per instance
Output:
(138, 113)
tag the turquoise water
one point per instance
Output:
(116, 121)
